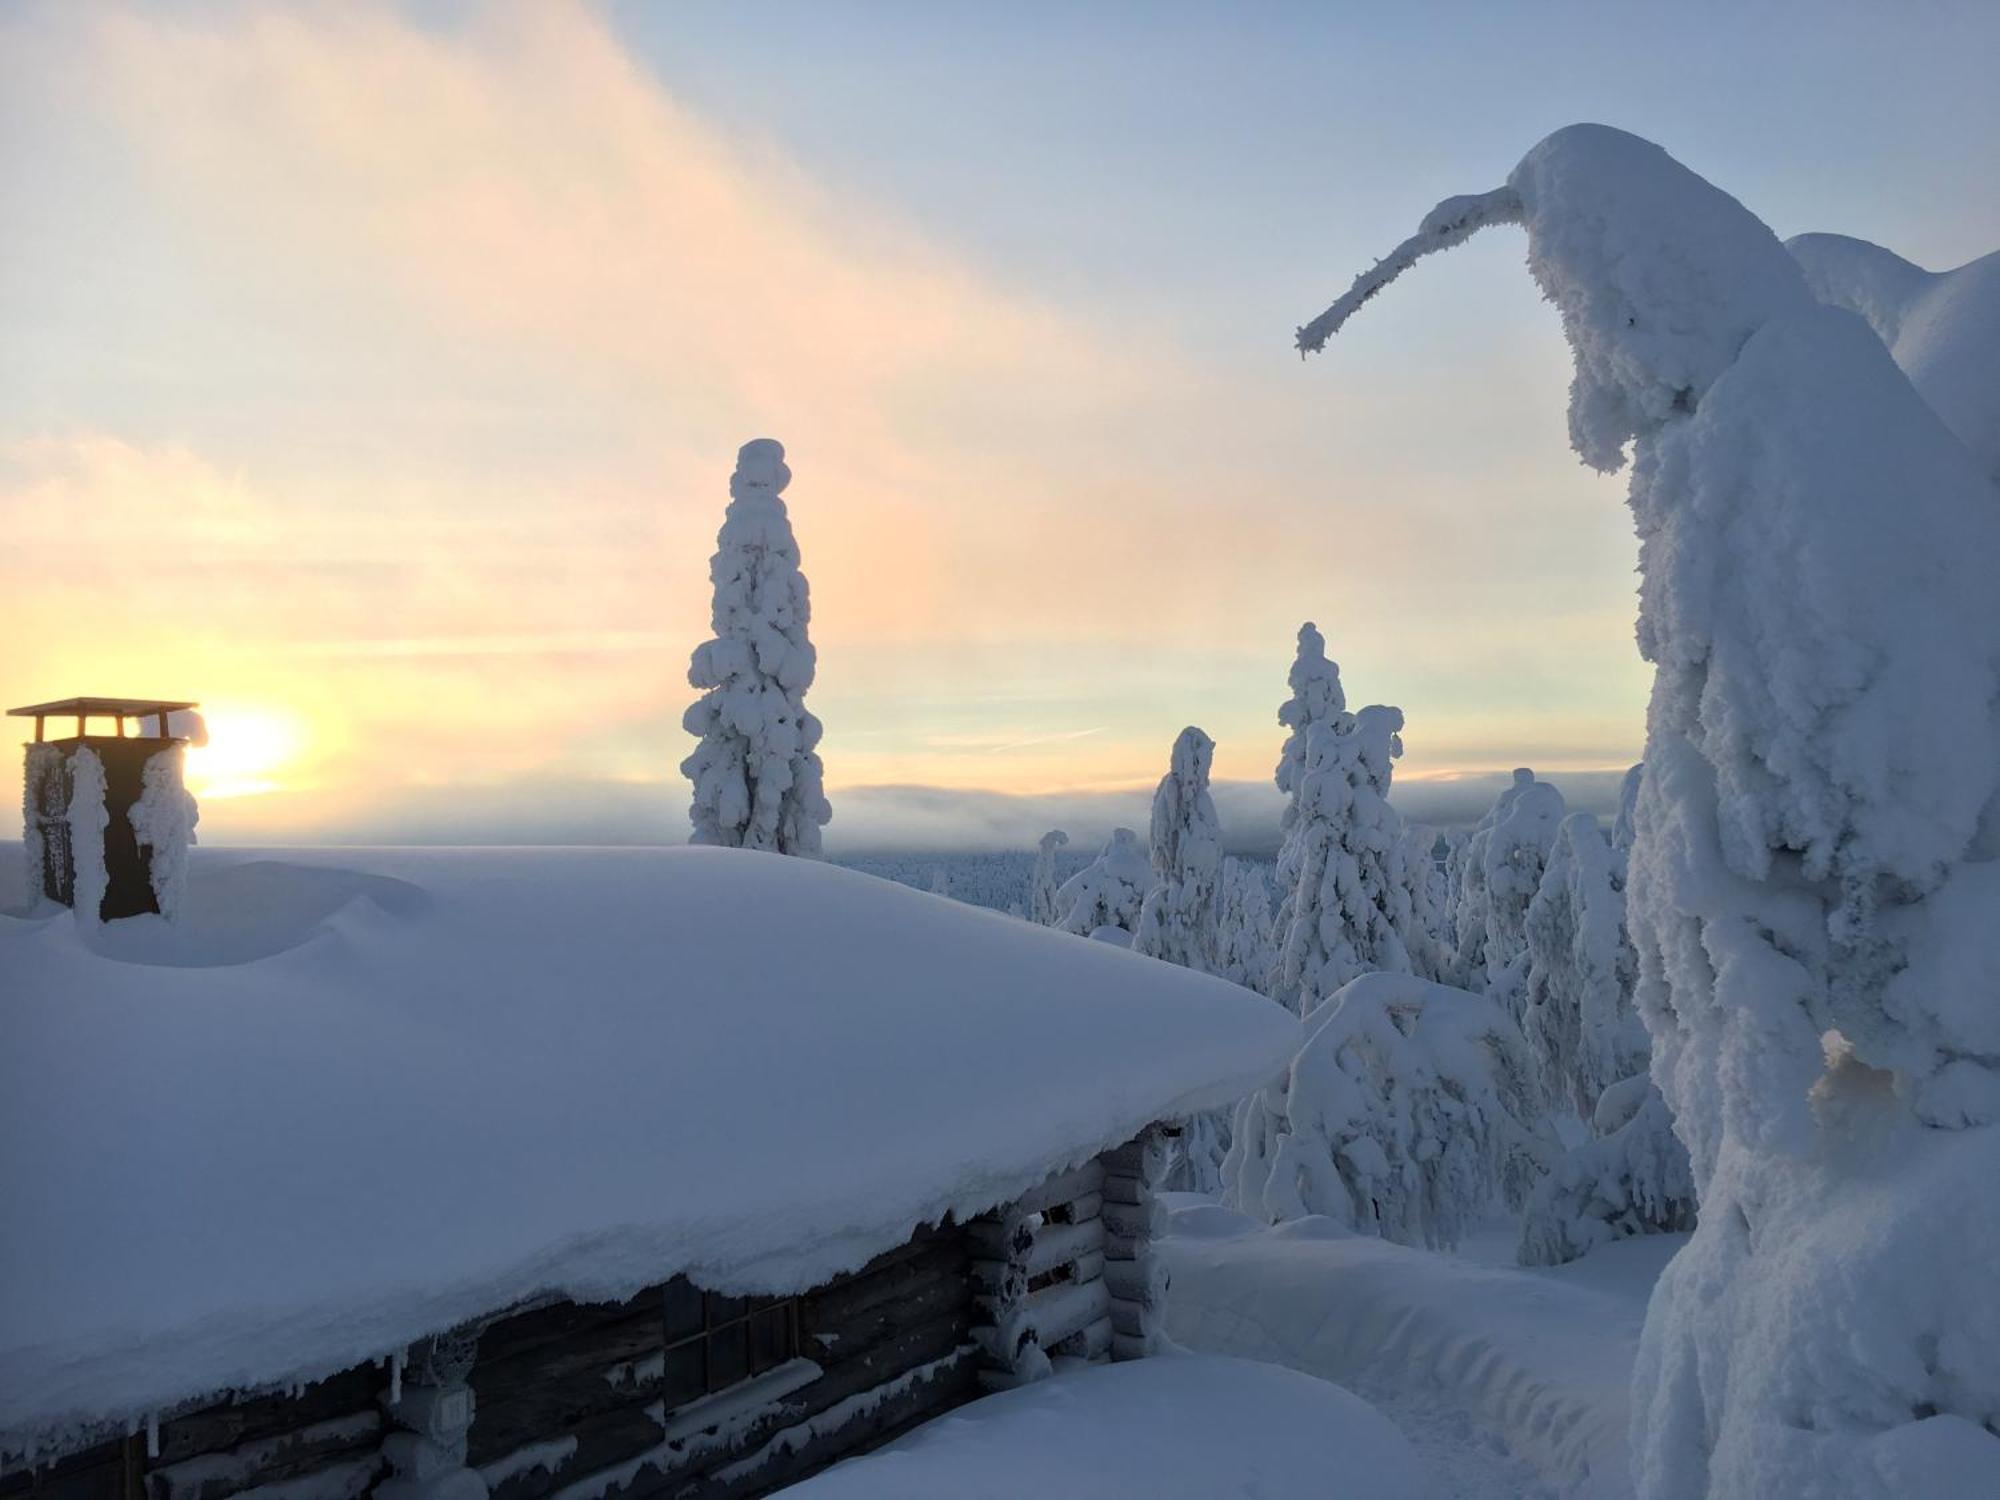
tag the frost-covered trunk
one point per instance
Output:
(756, 771)
(1813, 876)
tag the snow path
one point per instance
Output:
(1511, 1382)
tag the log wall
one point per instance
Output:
(565, 1401)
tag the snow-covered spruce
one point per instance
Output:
(1247, 950)
(1498, 877)
(1179, 920)
(1579, 1019)
(88, 818)
(1317, 699)
(1042, 883)
(163, 820)
(1632, 1178)
(1813, 868)
(1105, 895)
(756, 774)
(1348, 911)
(1409, 1109)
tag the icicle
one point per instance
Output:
(152, 1434)
(396, 1376)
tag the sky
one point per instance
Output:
(373, 374)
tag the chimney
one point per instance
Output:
(106, 818)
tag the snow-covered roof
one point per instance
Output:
(354, 1097)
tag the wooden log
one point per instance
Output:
(1133, 1319)
(1059, 1311)
(1133, 1221)
(558, 1322)
(268, 1460)
(230, 1424)
(804, 1449)
(1055, 1245)
(1076, 1211)
(1122, 1188)
(854, 1296)
(1092, 1342)
(1001, 1238)
(1142, 1279)
(826, 1340)
(604, 1439)
(1061, 1188)
(1144, 1157)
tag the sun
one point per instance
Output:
(248, 748)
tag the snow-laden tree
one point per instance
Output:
(1816, 854)
(1579, 1019)
(1104, 897)
(756, 771)
(1631, 1178)
(1248, 950)
(1316, 699)
(1179, 921)
(1498, 876)
(1042, 882)
(1409, 1110)
(1348, 911)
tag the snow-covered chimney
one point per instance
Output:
(106, 820)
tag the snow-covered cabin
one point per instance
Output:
(523, 1173)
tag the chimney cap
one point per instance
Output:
(100, 708)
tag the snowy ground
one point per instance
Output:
(1509, 1382)
(1175, 1428)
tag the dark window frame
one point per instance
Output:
(738, 1339)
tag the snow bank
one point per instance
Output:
(1192, 1426)
(1540, 1359)
(398, 1089)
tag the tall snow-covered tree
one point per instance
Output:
(756, 771)
(1104, 897)
(1348, 911)
(1316, 699)
(1814, 866)
(1408, 1112)
(1498, 877)
(1248, 952)
(1042, 882)
(1179, 920)
(1579, 1018)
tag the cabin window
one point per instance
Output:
(713, 1342)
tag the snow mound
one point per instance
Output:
(1942, 327)
(1541, 1360)
(353, 1097)
(1192, 1426)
